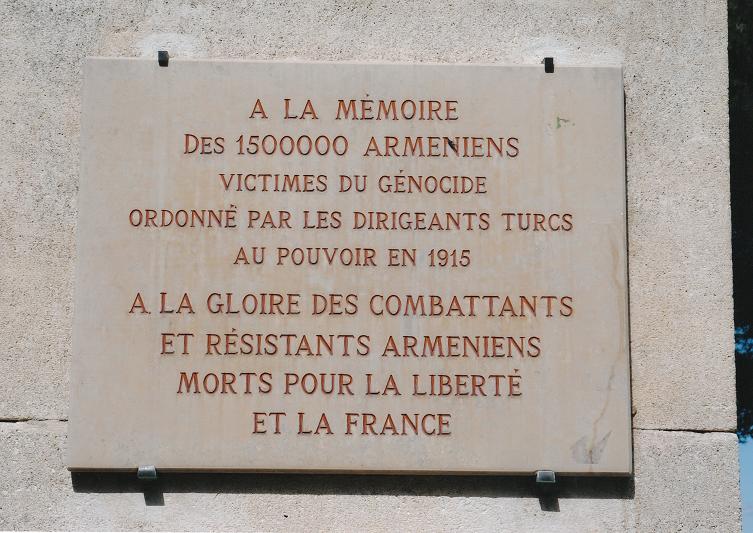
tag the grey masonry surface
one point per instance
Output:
(675, 71)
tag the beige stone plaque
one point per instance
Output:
(351, 267)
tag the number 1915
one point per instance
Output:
(440, 257)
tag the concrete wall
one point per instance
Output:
(675, 61)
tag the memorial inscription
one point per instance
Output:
(351, 267)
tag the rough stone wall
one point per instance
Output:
(675, 68)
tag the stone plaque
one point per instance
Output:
(351, 267)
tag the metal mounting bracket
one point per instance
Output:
(546, 477)
(147, 472)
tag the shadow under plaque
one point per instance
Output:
(363, 484)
